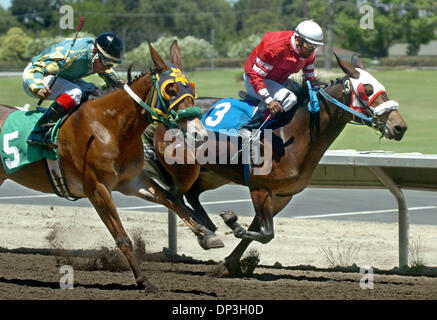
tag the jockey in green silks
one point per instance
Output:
(87, 56)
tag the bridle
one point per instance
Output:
(165, 115)
(365, 112)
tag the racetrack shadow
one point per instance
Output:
(56, 285)
(274, 277)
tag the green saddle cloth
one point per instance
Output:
(15, 151)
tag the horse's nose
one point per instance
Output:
(399, 131)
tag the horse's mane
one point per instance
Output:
(302, 95)
(114, 85)
(333, 83)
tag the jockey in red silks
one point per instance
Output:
(277, 56)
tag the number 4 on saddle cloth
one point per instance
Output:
(15, 151)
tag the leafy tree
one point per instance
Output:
(6, 21)
(13, 45)
(37, 15)
(419, 19)
(268, 13)
(100, 16)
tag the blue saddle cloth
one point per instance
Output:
(228, 115)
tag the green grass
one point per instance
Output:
(223, 83)
(415, 91)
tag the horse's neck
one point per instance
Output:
(332, 122)
(142, 87)
(130, 117)
(336, 117)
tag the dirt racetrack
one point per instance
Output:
(292, 265)
(34, 276)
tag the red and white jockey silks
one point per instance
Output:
(277, 57)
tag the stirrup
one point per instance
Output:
(247, 135)
(42, 140)
(149, 152)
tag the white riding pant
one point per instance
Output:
(61, 86)
(277, 91)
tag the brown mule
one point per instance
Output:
(297, 149)
(100, 150)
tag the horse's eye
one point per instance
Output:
(369, 89)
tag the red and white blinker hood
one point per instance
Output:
(359, 94)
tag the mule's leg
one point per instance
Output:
(147, 189)
(102, 201)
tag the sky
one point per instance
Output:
(5, 3)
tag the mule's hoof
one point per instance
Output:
(229, 217)
(145, 284)
(210, 241)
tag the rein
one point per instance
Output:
(344, 107)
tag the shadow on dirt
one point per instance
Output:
(112, 260)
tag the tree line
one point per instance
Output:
(226, 23)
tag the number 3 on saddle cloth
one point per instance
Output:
(227, 116)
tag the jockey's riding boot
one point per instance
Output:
(40, 135)
(245, 134)
(252, 126)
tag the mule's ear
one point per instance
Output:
(356, 62)
(347, 67)
(175, 55)
(157, 60)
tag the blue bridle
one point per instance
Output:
(313, 105)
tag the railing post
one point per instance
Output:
(172, 232)
(403, 213)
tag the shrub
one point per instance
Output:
(13, 45)
(35, 46)
(193, 50)
(409, 61)
(244, 47)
